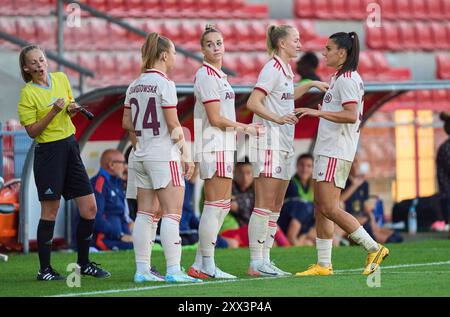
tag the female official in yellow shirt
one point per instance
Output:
(45, 109)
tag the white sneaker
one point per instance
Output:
(281, 272)
(147, 277)
(220, 274)
(181, 277)
(262, 269)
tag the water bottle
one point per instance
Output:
(412, 217)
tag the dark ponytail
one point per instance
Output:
(446, 118)
(349, 42)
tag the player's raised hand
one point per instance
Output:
(321, 85)
(255, 129)
(301, 112)
(289, 118)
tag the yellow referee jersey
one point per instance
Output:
(36, 101)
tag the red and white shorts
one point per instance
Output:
(220, 163)
(156, 175)
(330, 169)
(272, 163)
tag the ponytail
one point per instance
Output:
(209, 28)
(273, 36)
(349, 42)
(152, 49)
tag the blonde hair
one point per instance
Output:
(273, 36)
(152, 49)
(22, 60)
(209, 28)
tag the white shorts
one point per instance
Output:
(272, 163)
(329, 169)
(131, 183)
(220, 163)
(156, 175)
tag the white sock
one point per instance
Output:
(270, 237)
(361, 237)
(257, 232)
(208, 229)
(324, 247)
(198, 258)
(142, 241)
(171, 242)
(154, 229)
(225, 209)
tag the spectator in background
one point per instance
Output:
(443, 168)
(307, 66)
(361, 205)
(111, 229)
(297, 215)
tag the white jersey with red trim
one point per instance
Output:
(340, 140)
(211, 85)
(276, 82)
(147, 96)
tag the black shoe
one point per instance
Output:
(49, 274)
(92, 269)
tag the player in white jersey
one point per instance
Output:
(340, 119)
(215, 143)
(160, 156)
(272, 101)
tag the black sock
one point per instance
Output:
(84, 236)
(44, 241)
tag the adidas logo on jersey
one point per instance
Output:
(48, 191)
(320, 174)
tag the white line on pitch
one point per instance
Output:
(137, 289)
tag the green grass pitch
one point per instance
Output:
(412, 269)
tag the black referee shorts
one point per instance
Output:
(59, 170)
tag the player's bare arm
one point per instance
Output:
(347, 115)
(303, 89)
(256, 105)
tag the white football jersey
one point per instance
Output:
(211, 85)
(147, 96)
(276, 82)
(340, 140)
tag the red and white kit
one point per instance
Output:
(156, 159)
(336, 143)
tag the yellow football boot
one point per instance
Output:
(374, 259)
(316, 269)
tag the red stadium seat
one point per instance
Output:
(255, 11)
(204, 9)
(424, 36)
(407, 35)
(443, 66)
(101, 36)
(24, 8)
(439, 97)
(356, 9)
(435, 9)
(120, 38)
(171, 29)
(403, 9)
(339, 9)
(230, 38)
(441, 36)
(151, 8)
(388, 9)
(107, 67)
(170, 8)
(445, 8)
(419, 9)
(88, 60)
(117, 8)
(46, 33)
(190, 35)
(257, 29)
(243, 36)
(135, 8)
(151, 26)
(44, 7)
(392, 36)
(187, 8)
(135, 64)
(375, 38)
(7, 8)
(304, 9)
(26, 30)
(222, 8)
(323, 9)
(366, 68)
(100, 5)
(8, 26)
(124, 69)
(424, 99)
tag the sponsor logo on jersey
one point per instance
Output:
(287, 96)
(229, 95)
(278, 170)
(328, 97)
